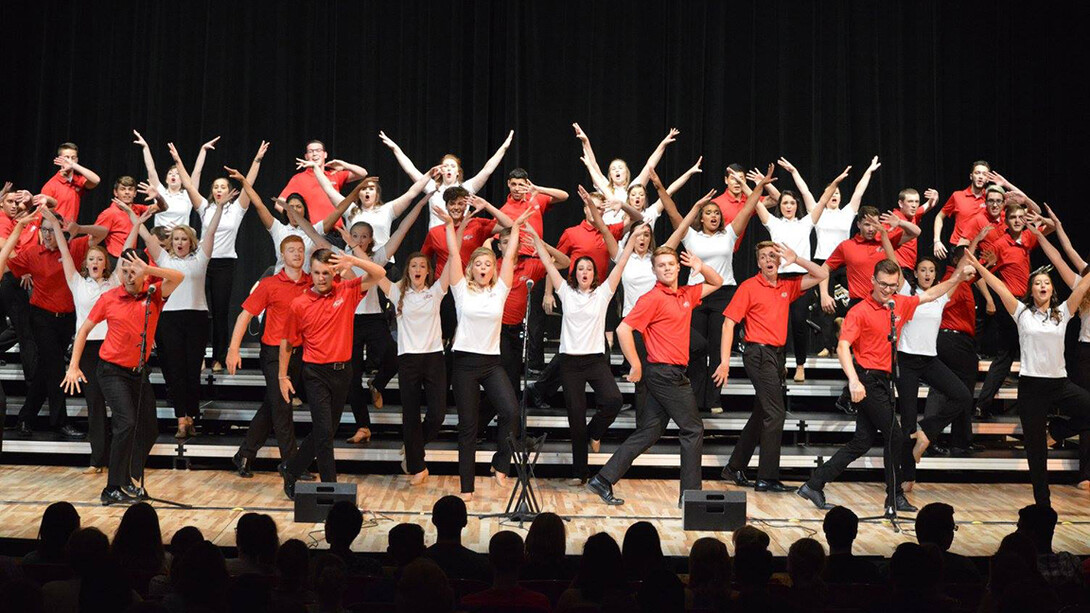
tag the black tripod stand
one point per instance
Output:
(891, 490)
(142, 371)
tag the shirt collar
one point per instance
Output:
(765, 282)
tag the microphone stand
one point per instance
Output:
(142, 371)
(891, 490)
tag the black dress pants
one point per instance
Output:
(1037, 398)
(418, 372)
(219, 282)
(957, 350)
(576, 371)
(827, 320)
(875, 418)
(472, 371)
(373, 332)
(129, 395)
(327, 388)
(706, 331)
(911, 370)
(535, 343)
(764, 367)
(669, 396)
(180, 340)
(1007, 352)
(98, 426)
(15, 304)
(52, 333)
(275, 414)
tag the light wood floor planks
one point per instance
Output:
(986, 512)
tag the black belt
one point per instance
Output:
(136, 370)
(881, 374)
(776, 348)
(52, 314)
(331, 365)
(948, 331)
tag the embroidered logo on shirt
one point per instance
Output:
(338, 302)
(783, 294)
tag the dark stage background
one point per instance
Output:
(928, 86)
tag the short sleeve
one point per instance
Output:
(437, 290)
(617, 230)
(690, 234)
(1029, 240)
(950, 207)
(906, 307)
(563, 292)
(291, 326)
(102, 306)
(1065, 313)
(1018, 310)
(739, 305)
(429, 244)
(277, 231)
(774, 223)
(836, 258)
(895, 236)
(850, 329)
(339, 178)
(643, 312)
(20, 264)
(256, 302)
(78, 248)
(794, 289)
(695, 295)
(458, 290)
(565, 245)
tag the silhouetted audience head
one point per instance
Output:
(330, 578)
(343, 524)
(935, 525)
(424, 588)
(1020, 545)
(250, 593)
(915, 568)
(642, 550)
(547, 539)
(450, 517)
(661, 591)
(805, 562)
(406, 544)
(183, 539)
(601, 568)
(1038, 522)
(293, 564)
(506, 553)
(709, 564)
(105, 588)
(841, 526)
(752, 566)
(257, 538)
(200, 578)
(138, 543)
(87, 549)
(749, 535)
(59, 521)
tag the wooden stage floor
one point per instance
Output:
(985, 513)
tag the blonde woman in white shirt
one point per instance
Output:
(615, 184)
(1043, 386)
(183, 326)
(179, 204)
(480, 291)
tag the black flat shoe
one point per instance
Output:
(70, 432)
(604, 489)
(817, 497)
(113, 495)
(773, 485)
(22, 429)
(134, 492)
(289, 480)
(242, 466)
(737, 476)
(936, 451)
(534, 397)
(307, 476)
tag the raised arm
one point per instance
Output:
(712, 279)
(209, 238)
(478, 204)
(740, 221)
(149, 161)
(667, 200)
(941, 289)
(355, 171)
(187, 183)
(883, 237)
(999, 179)
(171, 278)
(931, 198)
(800, 184)
(13, 240)
(597, 221)
(343, 263)
(251, 175)
(403, 228)
(1077, 294)
(996, 284)
(401, 203)
(1069, 276)
(814, 273)
(507, 269)
(402, 159)
(66, 164)
(454, 247)
(827, 195)
(296, 219)
(198, 165)
(614, 278)
(861, 187)
(685, 176)
(599, 180)
(909, 230)
(49, 220)
(656, 155)
(686, 223)
(1065, 242)
(477, 181)
(551, 272)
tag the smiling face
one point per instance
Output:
(789, 206)
(457, 209)
(482, 267)
(1041, 288)
(711, 218)
(95, 264)
(321, 275)
(49, 238)
(925, 274)
(885, 285)
(979, 176)
(220, 189)
(619, 173)
(637, 197)
(418, 271)
(180, 244)
(519, 188)
(585, 274)
(994, 203)
(666, 267)
(316, 152)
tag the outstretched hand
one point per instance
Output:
(692, 261)
(874, 164)
(211, 145)
(234, 174)
(788, 166)
(72, 379)
(139, 140)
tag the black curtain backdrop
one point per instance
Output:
(927, 86)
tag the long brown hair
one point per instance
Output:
(106, 270)
(1053, 302)
(573, 282)
(404, 284)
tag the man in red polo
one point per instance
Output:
(116, 220)
(273, 296)
(306, 184)
(763, 302)
(318, 318)
(909, 209)
(992, 215)
(962, 206)
(662, 316)
(733, 199)
(877, 239)
(865, 356)
(66, 188)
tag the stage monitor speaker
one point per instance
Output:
(313, 499)
(713, 510)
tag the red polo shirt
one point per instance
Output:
(324, 321)
(124, 316)
(731, 205)
(866, 327)
(960, 311)
(514, 310)
(764, 307)
(305, 184)
(860, 256)
(28, 237)
(435, 245)
(44, 266)
(663, 316)
(67, 193)
(118, 225)
(585, 240)
(540, 203)
(962, 206)
(1012, 260)
(906, 253)
(977, 223)
(274, 295)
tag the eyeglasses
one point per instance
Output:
(887, 285)
(315, 150)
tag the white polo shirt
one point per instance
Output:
(418, 325)
(1042, 341)
(919, 334)
(280, 230)
(795, 233)
(1084, 318)
(85, 293)
(479, 317)
(371, 303)
(223, 245)
(716, 250)
(437, 198)
(637, 279)
(583, 328)
(381, 219)
(834, 227)
(189, 295)
(179, 206)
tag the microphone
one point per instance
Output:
(529, 284)
(152, 289)
(891, 304)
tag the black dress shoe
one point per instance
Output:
(69, 431)
(134, 492)
(535, 398)
(534, 373)
(772, 485)
(307, 476)
(935, 451)
(242, 466)
(113, 495)
(815, 496)
(737, 476)
(604, 489)
(846, 405)
(289, 479)
(903, 506)
(22, 429)
(962, 452)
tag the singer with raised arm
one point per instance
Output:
(867, 341)
(131, 313)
